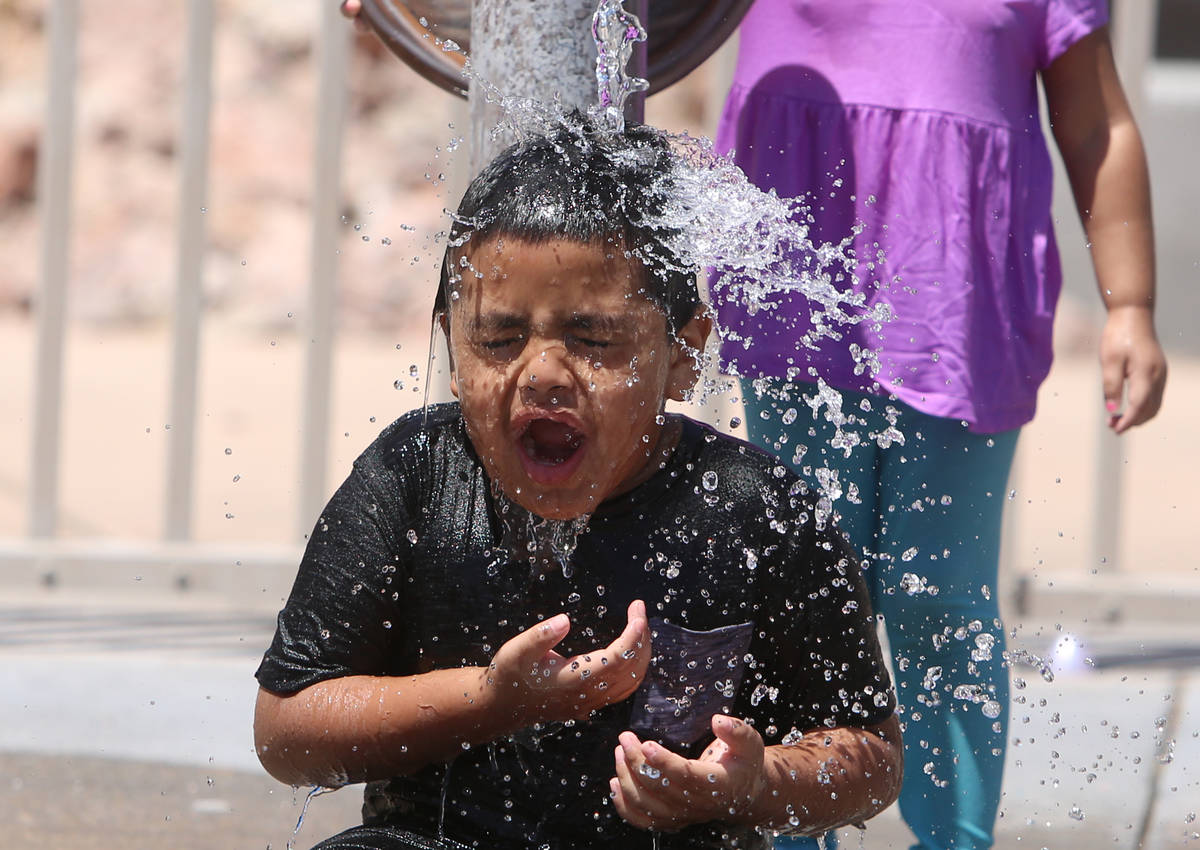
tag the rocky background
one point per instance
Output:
(126, 183)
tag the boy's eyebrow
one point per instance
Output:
(597, 322)
(492, 322)
(486, 323)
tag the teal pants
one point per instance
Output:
(926, 514)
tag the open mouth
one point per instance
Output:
(551, 449)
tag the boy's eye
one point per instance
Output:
(500, 344)
(588, 342)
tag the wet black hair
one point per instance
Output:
(587, 184)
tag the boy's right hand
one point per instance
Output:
(539, 685)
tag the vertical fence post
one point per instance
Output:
(333, 49)
(189, 273)
(1133, 46)
(54, 201)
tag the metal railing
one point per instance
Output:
(42, 551)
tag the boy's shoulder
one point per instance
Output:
(418, 430)
(743, 464)
(415, 441)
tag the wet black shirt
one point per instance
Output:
(755, 611)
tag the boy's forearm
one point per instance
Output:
(360, 728)
(829, 779)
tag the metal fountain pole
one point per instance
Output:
(537, 50)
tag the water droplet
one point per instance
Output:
(912, 584)
(228, 451)
(649, 771)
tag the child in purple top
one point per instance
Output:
(920, 121)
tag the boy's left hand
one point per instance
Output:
(657, 789)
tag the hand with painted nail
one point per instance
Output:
(1133, 366)
(657, 789)
(537, 684)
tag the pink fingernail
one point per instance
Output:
(1110, 406)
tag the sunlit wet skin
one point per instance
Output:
(562, 368)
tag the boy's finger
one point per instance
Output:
(682, 772)
(647, 795)
(634, 761)
(538, 641)
(634, 640)
(624, 801)
(740, 737)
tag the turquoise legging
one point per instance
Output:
(927, 515)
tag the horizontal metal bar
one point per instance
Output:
(246, 576)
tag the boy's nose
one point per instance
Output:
(546, 379)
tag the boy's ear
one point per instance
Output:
(443, 320)
(688, 345)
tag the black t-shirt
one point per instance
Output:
(756, 610)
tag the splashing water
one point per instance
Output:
(316, 791)
(757, 248)
(542, 543)
(616, 31)
(1022, 656)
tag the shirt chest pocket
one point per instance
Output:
(692, 676)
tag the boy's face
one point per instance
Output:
(562, 370)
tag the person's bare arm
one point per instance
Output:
(1106, 164)
(830, 778)
(359, 728)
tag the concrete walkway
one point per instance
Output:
(127, 724)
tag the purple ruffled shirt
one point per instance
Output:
(919, 119)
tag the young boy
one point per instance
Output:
(551, 615)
